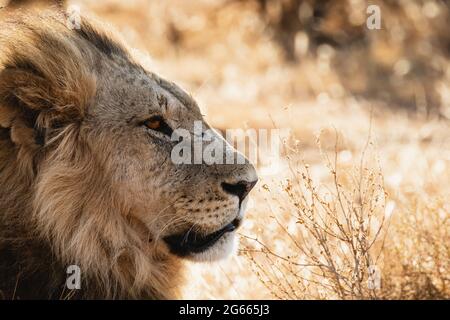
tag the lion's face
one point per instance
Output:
(88, 133)
(193, 209)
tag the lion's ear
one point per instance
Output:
(25, 102)
(19, 88)
(42, 98)
(7, 116)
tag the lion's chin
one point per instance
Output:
(226, 246)
(191, 245)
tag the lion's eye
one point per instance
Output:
(157, 123)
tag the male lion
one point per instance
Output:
(86, 173)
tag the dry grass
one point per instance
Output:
(342, 210)
(338, 237)
(332, 234)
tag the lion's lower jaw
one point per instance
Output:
(225, 247)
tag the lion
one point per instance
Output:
(86, 173)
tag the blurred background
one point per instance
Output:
(375, 102)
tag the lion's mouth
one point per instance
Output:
(190, 242)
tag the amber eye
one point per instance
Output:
(157, 123)
(153, 124)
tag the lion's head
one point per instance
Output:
(86, 146)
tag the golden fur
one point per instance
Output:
(80, 184)
(44, 81)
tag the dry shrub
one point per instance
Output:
(336, 236)
(418, 266)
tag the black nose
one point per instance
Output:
(240, 189)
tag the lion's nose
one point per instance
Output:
(239, 189)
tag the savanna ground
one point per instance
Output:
(357, 205)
